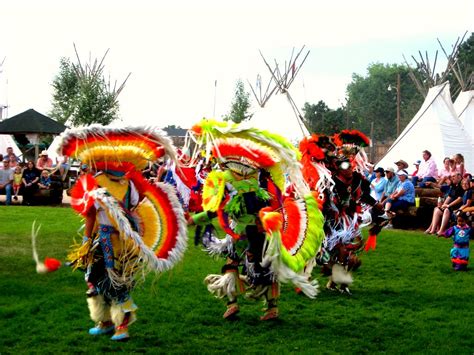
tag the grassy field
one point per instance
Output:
(406, 299)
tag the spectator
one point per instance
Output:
(17, 182)
(391, 185)
(466, 197)
(369, 173)
(428, 170)
(401, 165)
(44, 181)
(459, 163)
(417, 166)
(402, 198)
(44, 162)
(442, 214)
(444, 175)
(6, 180)
(62, 164)
(11, 153)
(377, 186)
(31, 176)
(13, 161)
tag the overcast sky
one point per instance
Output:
(177, 50)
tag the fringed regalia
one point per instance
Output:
(461, 235)
(269, 238)
(131, 226)
(333, 168)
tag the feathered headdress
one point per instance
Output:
(351, 143)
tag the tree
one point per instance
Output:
(240, 104)
(319, 118)
(464, 67)
(82, 96)
(368, 100)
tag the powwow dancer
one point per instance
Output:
(132, 227)
(333, 169)
(270, 238)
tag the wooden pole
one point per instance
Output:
(398, 104)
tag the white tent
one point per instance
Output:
(435, 127)
(464, 107)
(53, 149)
(6, 141)
(277, 116)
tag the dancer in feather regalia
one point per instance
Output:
(332, 166)
(131, 226)
(269, 238)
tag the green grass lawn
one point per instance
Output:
(406, 299)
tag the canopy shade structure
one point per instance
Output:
(436, 128)
(31, 121)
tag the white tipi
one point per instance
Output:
(435, 127)
(280, 114)
(6, 141)
(464, 106)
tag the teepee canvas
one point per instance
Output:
(6, 141)
(437, 128)
(277, 111)
(464, 106)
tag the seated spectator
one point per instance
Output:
(428, 170)
(417, 166)
(17, 182)
(62, 165)
(31, 176)
(377, 186)
(10, 153)
(402, 198)
(459, 163)
(369, 173)
(6, 180)
(13, 161)
(401, 165)
(442, 214)
(467, 205)
(44, 162)
(444, 174)
(44, 181)
(391, 184)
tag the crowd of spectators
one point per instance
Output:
(395, 188)
(25, 179)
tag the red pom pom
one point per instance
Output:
(52, 264)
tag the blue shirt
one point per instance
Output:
(409, 189)
(391, 185)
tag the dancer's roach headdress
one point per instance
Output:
(351, 143)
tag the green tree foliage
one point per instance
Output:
(369, 100)
(82, 96)
(66, 89)
(240, 104)
(319, 118)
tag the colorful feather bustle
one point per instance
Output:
(351, 144)
(161, 236)
(315, 150)
(251, 147)
(123, 149)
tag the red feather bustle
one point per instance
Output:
(292, 227)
